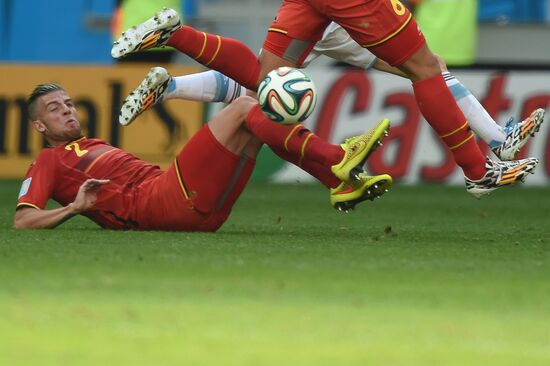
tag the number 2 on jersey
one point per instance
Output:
(76, 148)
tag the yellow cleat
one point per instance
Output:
(357, 149)
(350, 193)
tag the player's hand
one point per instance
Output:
(87, 195)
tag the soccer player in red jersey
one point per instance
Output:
(119, 191)
(385, 27)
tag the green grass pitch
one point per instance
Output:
(424, 276)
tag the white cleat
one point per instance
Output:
(518, 134)
(499, 174)
(154, 32)
(149, 92)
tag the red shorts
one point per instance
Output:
(198, 190)
(385, 27)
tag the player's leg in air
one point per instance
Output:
(331, 164)
(393, 36)
(335, 43)
(505, 143)
(237, 61)
(229, 56)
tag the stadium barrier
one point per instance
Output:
(349, 102)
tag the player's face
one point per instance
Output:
(57, 118)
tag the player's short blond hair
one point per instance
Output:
(39, 90)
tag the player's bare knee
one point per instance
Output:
(432, 65)
(244, 104)
(441, 62)
(422, 65)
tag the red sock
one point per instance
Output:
(226, 55)
(321, 172)
(441, 111)
(295, 139)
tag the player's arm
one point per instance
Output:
(338, 44)
(35, 218)
(27, 217)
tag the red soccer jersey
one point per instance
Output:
(385, 27)
(58, 172)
